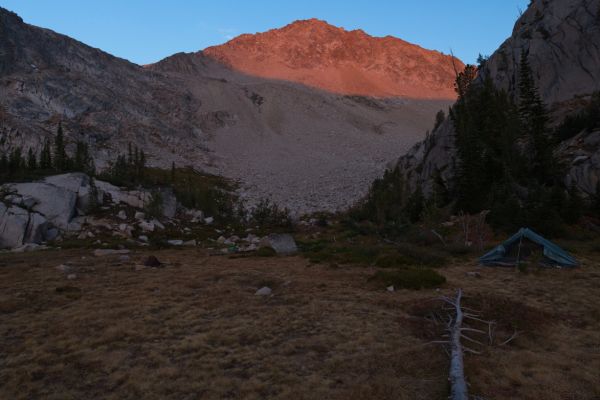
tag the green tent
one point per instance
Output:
(526, 245)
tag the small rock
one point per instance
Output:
(122, 215)
(109, 252)
(152, 261)
(63, 268)
(146, 226)
(28, 247)
(139, 215)
(190, 243)
(473, 274)
(221, 239)
(209, 220)
(264, 291)
(71, 277)
(143, 238)
(175, 242)
(158, 224)
(391, 289)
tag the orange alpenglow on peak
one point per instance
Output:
(315, 53)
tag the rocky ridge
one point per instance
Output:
(562, 40)
(315, 53)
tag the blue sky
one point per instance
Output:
(147, 31)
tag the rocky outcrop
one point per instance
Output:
(35, 212)
(562, 40)
(581, 154)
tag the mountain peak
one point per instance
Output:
(315, 53)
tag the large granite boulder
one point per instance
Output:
(57, 204)
(283, 244)
(13, 225)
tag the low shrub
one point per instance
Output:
(265, 252)
(410, 278)
(427, 256)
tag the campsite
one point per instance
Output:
(327, 330)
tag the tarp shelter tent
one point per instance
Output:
(523, 246)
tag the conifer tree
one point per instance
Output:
(464, 80)
(46, 156)
(31, 160)
(60, 155)
(4, 163)
(15, 162)
(534, 120)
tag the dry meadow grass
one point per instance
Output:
(195, 330)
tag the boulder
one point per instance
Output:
(282, 243)
(264, 291)
(109, 252)
(175, 242)
(152, 261)
(146, 226)
(169, 203)
(71, 182)
(13, 226)
(55, 203)
(84, 199)
(37, 229)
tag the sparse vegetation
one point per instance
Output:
(268, 214)
(410, 278)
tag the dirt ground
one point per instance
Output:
(195, 330)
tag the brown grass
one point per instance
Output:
(195, 330)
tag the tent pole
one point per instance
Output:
(519, 253)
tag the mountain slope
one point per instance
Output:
(562, 40)
(46, 77)
(307, 148)
(317, 54)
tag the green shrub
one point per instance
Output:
(154, 208)
(265, 252)
(427, 256)
(410, 278)
(392, 261)
(267, 213)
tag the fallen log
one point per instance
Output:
(458, 384)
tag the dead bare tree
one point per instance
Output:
(457, 331)
(458, 384)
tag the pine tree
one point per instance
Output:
(3, 163)
(31, 160)
(439, 119)
(15, 162)
(46, 156)
(60, 155)
(464, 81)
(534, 120)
